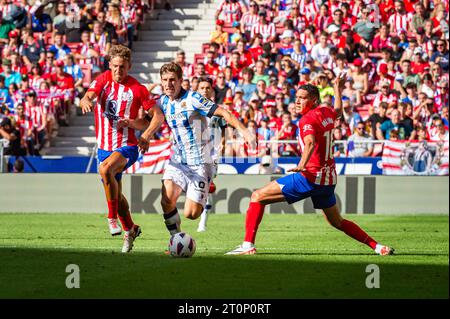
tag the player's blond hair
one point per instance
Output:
(121, 51)
(171, 67)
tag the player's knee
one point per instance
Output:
(167, 204)
(105, 170)
(257, 196)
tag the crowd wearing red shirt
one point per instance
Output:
(395, 54)
(50, 51)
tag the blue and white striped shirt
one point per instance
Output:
(187, 119)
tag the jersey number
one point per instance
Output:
(328, 150)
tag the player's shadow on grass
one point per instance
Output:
(41, 273)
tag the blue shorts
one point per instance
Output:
(296, 187)
(131, 153)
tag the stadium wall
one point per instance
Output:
(82, 193)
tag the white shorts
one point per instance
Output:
(193, 180)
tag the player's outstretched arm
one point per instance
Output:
(157, 119)
(234, 122)
(310, 143)
(338, 86)
(87, 102)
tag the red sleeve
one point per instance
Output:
(98, 84)
(147, 101)
(307, 128)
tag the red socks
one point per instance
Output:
(255, 214)
(354, 231)
(127, 222)
(113, 208)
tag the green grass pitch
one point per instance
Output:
(299, 256)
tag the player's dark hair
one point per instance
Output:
(206, 79)
(313, 91)
(172, 67)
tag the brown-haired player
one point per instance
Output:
(114, 96)
(191, 166)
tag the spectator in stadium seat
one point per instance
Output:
(441, 55)
(40, 21)
(382, 39)
(419, 18)
(322, 18)
(211, 67)
(74, 70)
(235, 36)
(200, 70)
(320, 52)
(188, 69)
(351, 117)
(61, 14)
(219, 58)
(394, 123)
(265, 28)
(5, 27)
(323, 84)
(31, 50)
(73, 27)
(409, 94)
(12, 46)
(376, 119)
(110, 30)
(357, 145)
(365, 28)
(247, 86)
(441, 134)
(12, 135)
(48, 66)
(221, 89)
(219, 36)
(9, 75)
(256, 49)
(305, 76)
(360, 78)
(406, 113)
(230, 80)
(338, 148)
(261, 92)
(401, 19)
(249, 18)
(59, 48)
(25, 126)
(407, 75)
(114, 17)
(260, 74)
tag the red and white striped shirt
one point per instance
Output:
(249, 20)
(266, 31)
(37, 115)
(400, 21)
(100, 41)
(117, 101)
(380, 98)
(231, 11)
(23, 124)
(308, 10)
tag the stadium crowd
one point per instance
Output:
(50, 51)
(395, 53)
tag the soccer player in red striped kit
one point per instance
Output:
(315, 176)
(119, 96)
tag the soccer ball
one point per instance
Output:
(182, 245)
